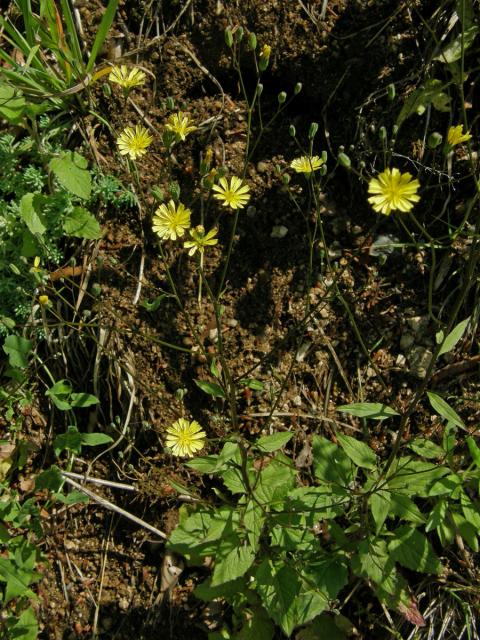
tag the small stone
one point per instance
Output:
(231, 322)
(279, 231)
(251, 211)
(401, 360)
(406, 341)
(262, 167)
(297, 401)
(418, 323)
(419, 360)
(213, 334)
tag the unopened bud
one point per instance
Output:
(382, 133)
(292, 131)
(259, 89)
(239, 34)
(252, 41)
(170, 103)
(297, 88)
(228, 38)
(323, 170)
(282, 96)
(391, 91)
(434, 140)
(324, 156)
(344, 160)
(312, 132)
(285, 178)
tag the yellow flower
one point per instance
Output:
(393, 190)
(180, 125)
(235, 196)
(36, 265)
(266, 51)
(200, 240)
(307, 164)
(184, 438)
(171, 220)
(456, 136)
(43, 300)
(134, 142)
(127, 78)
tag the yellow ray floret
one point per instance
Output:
(184, 438)
(393, 190)
(306, 164)
(179, 124)
(200, 240)
(234, 195)
(171, 220)
(134, 142)
(455, 135)
(127, 78)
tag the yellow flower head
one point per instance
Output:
(393, 190)
(43, 300)
(184, 438)
(134, 142)
(200, 240)
(171, 220)
(234, 195)
(36, 265)
(306, 164)
(127, 78)
(179, 124)
(455, 135)
(266, 51)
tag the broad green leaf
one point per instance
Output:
(49, 479)
(12, 103)
(95, 439)
(411, 549)
(403, 507)
(427, 449)
(331, 463)
(17, 350)
(372, 560)
(60, 394)
(327, 627)
(467, 531)
(453, 51)
(203, 464)
(82, 400)
(17, 580)
(29, 215)
(227, 590)
(474, 450)
(318, 503)
(70, 170)
(257, 625)
(372, 410)
(413, 477)
(360, 453)
(328, 573)
(233, 565)
(449, 485)
(80, 223)
(292, 532)
(453, 337)
(252, 522)
(432, 92)
(274, 482)
(251, 383)
(230, 451)
(24, 626)
(211, 388)
(72, 497)
(379, 502)
(444, 409)
(273, 442)
(71, 440)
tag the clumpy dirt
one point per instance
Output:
(103, 571)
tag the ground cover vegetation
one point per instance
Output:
(239, 319)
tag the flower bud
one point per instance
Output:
(174, 189)
(344, 160)
(285, 178)
(157, 193)
(264, 57)
(170, 103)
(107, 90)
(297, 88)
(394, 130)
(382, 134)
(324, 156)
(434, 140)
(43, 300)
(282, 96)
(252, 41)
(238, 34)
(391, 91)
(292, 131)
(228, 37)
(259, 89)
(312, 132)
(323, 170)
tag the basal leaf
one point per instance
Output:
(273, 442)
(80, 223)
(410, 548)
(360, 453)
(70, 170)
(372, 410)
(443, 409)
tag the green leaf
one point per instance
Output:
(227, 590)
(17, 350)
(12, 103)
(404, 507)
(432, 92)
(49, 479)
(360, 453)
(318, 503)
(230, 451)
(411, 549)
(233, 565)
(372, 410)
(23, 627)
(274, 482)
(73, 497)
(427, 449)
(82, 400)
(80, 223)
(154, 305)
(379, 502)
(17, 580)
(453, 337)
(203, 464)
(60, 394)
(414, 477)
(372, 560)
(71, 440)
(330, 462)
(444, 409)
(251, 383)
(95, 439)
(257, 625)
(453, 50)
(29, 215)
(70, 170)
(474, 450)
(211, 388)
(273, 442)
(466, 530)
